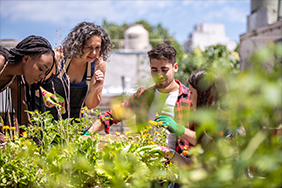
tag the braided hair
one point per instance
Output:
(31, 45)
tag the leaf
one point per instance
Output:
(198, 175)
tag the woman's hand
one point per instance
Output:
(98, 78)
(94, 94)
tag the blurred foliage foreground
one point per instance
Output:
(252, 159)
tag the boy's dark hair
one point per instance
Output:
(163, 51)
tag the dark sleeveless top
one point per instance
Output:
(77, 92)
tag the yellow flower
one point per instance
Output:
(151, 139)
(157, 114)
(6, 138)
(24, 134)
(117, 133)
(151, 122)
(106, 144)
(185, 152)
(160, 123)
(12, 128)
(22, 143)
(15, 137)
(31, 113)
(148, 127)
(28, 143)
(144, 136)
(6, 127)
(151, 143)
(127, 132)
(156, 132)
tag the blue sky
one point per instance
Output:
(53, 19)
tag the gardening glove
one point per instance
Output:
(172, 126)
(51, 100)
(158, 149)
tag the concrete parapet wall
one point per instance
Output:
(253, 39)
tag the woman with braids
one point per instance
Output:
(28, 63)
(82, 68)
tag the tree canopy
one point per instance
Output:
(157, 34)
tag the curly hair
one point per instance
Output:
(163, 51)
(210, 88)
(74, 43)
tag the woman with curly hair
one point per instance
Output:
(28, 63)
(82, 68)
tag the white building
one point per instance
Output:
(264, 25)
(126, 71)
(129, 68)
(207, 34)
(136, 37)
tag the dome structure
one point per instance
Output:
(136, 37)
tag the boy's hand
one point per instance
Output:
(172, 126)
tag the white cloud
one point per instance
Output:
(53, 11)
(62, 12)
(177, 16)
(233, 14)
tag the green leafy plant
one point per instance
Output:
(55, 154)
(49, 155)
(215, 57)
(253, 108)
